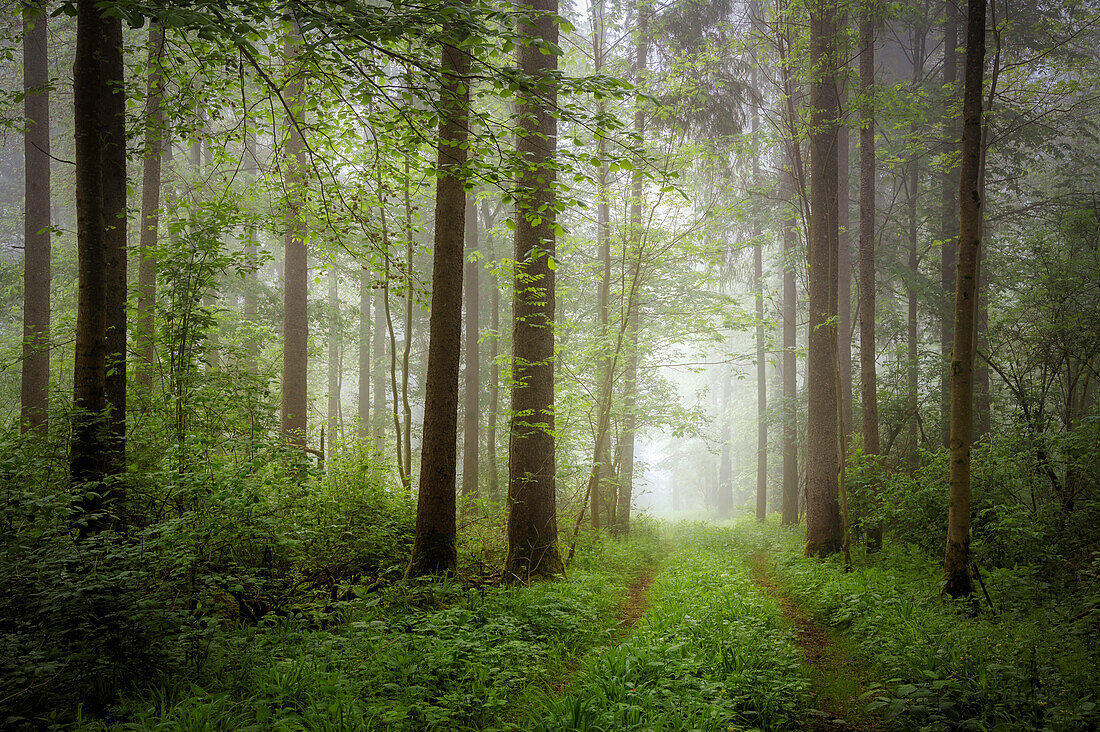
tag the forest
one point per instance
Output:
(535, 365)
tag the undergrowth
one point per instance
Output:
(1017, 666)
(710, 653)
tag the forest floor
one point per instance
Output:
(838, 680)
(638, 602)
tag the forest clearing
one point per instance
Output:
(550, 365)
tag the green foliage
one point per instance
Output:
(1027, 667)
(710, 653)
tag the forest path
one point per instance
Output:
(837, 680)
(638, 601)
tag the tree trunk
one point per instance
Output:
(724, 496)
(949, 216)
(295, 274)
(150, 212)
(867, 286)
(957, 582)
(98, 100)
(790, 364)
(35, 384)
(364, 354)
(494, 392)
(532, 510)
(470, 433)
(333, 358)
(823, 529)
(844, 274)
(433, 549)
(378, 355)
(913, 342)
(761, 356)
(605, 376)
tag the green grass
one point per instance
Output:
(711, 652)
(423, 655)
(1027, 667)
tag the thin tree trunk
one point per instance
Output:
(434, 549)
(605, 377)
(250, 167)
(150, 212)
(724, 497)
(407, 432)
(790, 364)
(364, 354)
(913, 343)
(844, 273)
(533, 549)
(471, 427)
(957, 582)
(494, 392)
(295, 274)
(761, 357)
(378, 371)
(333, 358)
(949, 215)
(35, 384)
(867, 286)
(823, 529)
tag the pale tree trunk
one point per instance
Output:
(867, 286)
(533, 549)
(724, 497)
(250, 167)
(34, 390)
(823, 529)
(844, 274)
(150, 212)
(378, 356)
(470, 433)
(434, 549)
(790, 364)
(333, 358)
(761, 357)
(295, 274)
(949, 215)
(912, 341)
(957, 581)
(364, 354)
(494, 392)
(407, 352)
(605, 377)
(633, 314)
(99, 103)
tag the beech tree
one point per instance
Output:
(34, 394)
(533, 549)
(433, 549)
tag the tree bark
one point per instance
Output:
(333, 358)
(844, 272)
(471, 428)
(434, 549)
(99, 101)
(949, 216)
(364, 355)
(378, 355)
(867, 287)
(790, 363)
(35, 383)
(761, 356)
(533, 549)
(724, 496)
(295, 273)
(494, 392)
(605, 376)
(957, 582)
(823, 529)
(150, 212)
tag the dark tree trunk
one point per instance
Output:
(949, 213)
(364, 355)
(433, 549)
(295, 273)
(823, 528)
(155, 133)
(957, 582)
(533, 549)
(471, 428)
(844, 274)
(494, 392)
(34, 394)
(867, 285)
(99, 101)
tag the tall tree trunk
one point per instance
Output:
(633, 313)
(333, 358)
(844, 272)
(150, 211)
(364, 355)
(949, 216)
(957, 582)
(378, 356)
(99, 103)
(913, 342)
(494, 392)
(433, 549)
(867, 286)
(790, 363)
(724, 497)
(761, 356)
(35, 384)
(406, 433)
(533, 549)
(295, 273)
(605, 377)
(823, 529)
(470, 433)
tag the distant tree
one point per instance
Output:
(823, 528)
(956, 563)
(34, 394)
(364, 354)
(99, 107)
(789, 236)
(472, 412)
(533, 549)
(433, 549)
(155, 132)
(295, 273)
